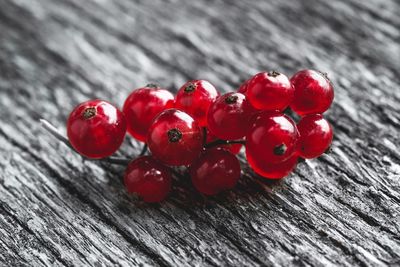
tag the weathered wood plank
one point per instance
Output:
(57, 209)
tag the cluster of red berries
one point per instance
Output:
(204, 130)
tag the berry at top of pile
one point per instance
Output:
(270, 91)
(195, 98)
(142, 106)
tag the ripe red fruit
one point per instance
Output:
(272, 140)
(315, 136)
(96, 129)
(230, 116)
(278, 170)
(270, 91)
(313, 92)
(194, 98)
(233, 148)
(175, 138)
(214, 171)
(148, 178)
(142, 106)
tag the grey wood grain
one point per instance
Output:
(57, 209)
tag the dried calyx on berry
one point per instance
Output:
(190, 88)
(174, 135)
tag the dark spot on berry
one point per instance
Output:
(190, 88)
(152, 85)
(232, 99)
(174, 135)
(279, 150)
(273, 73)
(89, 113)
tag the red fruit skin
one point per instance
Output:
(148, 178)
(96, 129)
(214, 171)
(230, 116)
(142, 106)
(316, 136)
(278, 170)
(196, 102)
(313, 92)
(270, 91)
(243, 87)
(233, 148)
(179, 152)
(269, 133)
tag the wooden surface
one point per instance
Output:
(57, 209)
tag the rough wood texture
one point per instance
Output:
(57, 209)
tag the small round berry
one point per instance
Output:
(315, 136)
(96, 129)
(195, 98)
(270, 91)
(175, 138)
(278, 170)
(272, 140)
(214, 171)
(230, 116)
(313, 92)
(233, 148)
(148, 178)
(142, 106)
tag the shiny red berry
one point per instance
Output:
(233, 148)
(313, 92)
(278, 170)
(315, 136)
(148, 178)
(272, 140)
(142, 106)
(214, 171)
(195, 98)
(96, 129)
(230, 116)
(270, 91)
(175, 138)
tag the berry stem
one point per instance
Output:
(56, 133)
(219, 142)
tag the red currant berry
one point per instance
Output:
(315, 136)
(194, 98)
(175, 138)
(142, 106)
(313, 92)
(96, 129)
(230, 116)
(243, 87)
(148, 178)
(272, 140)
(214, 171)
(278, 170)
(270, 91)
(233, 148)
